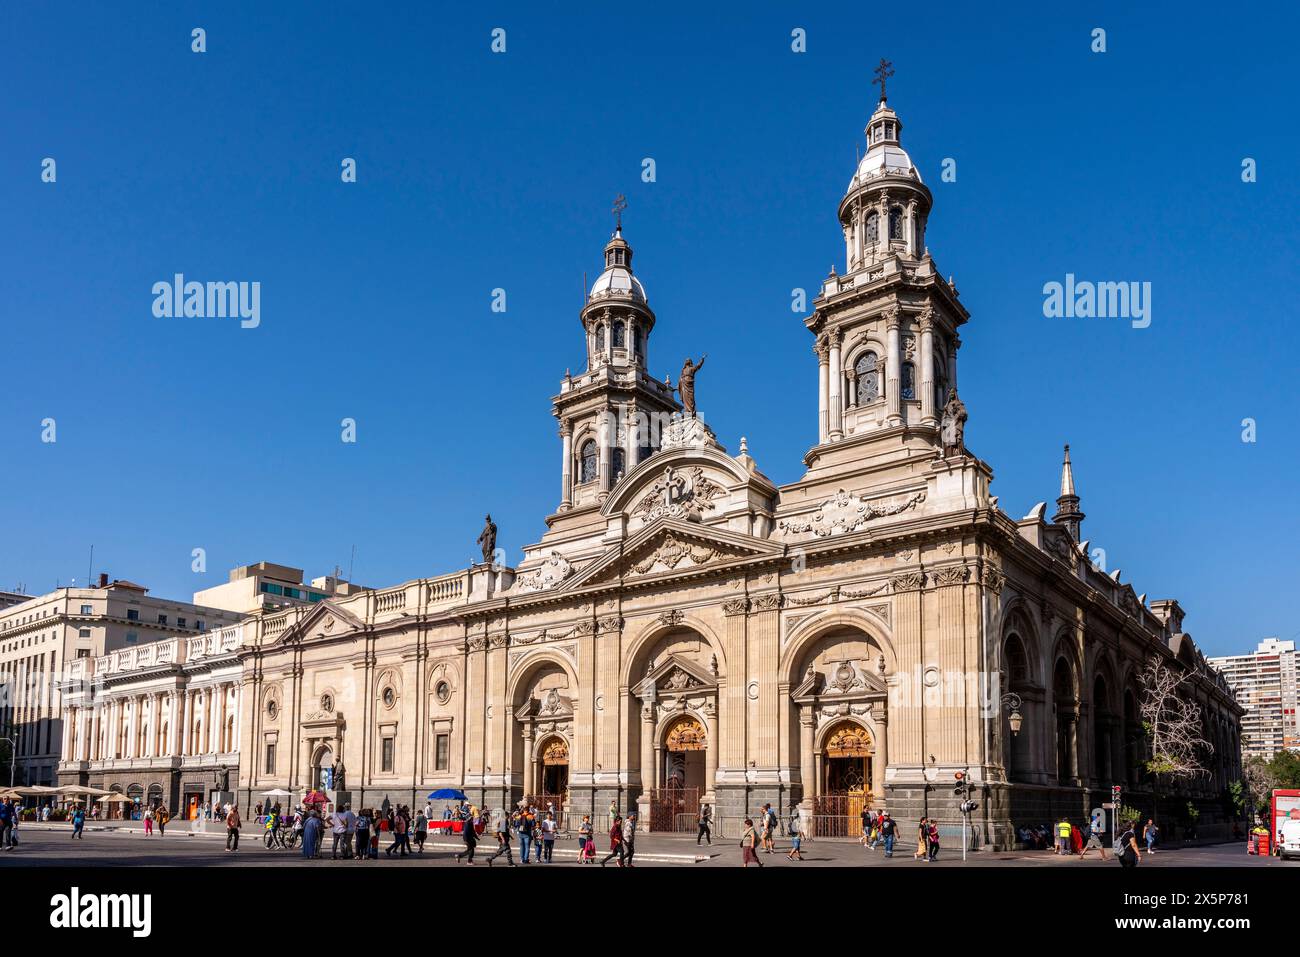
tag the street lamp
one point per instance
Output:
(1015, 719)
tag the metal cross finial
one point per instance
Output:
(620, 204)
(883, 72)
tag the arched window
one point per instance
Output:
(868, 378)
(620, 334)
(873, 227)
(616, 462)
(600, 338)
(908, 386)
(940, 383)
(587, 462)
(896, 222)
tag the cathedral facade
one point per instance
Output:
(686, 632)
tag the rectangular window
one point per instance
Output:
(83, 633)
(180, 622)
(132, 614)
(87, 610)
(200, 625)
(386, 762)
(442, 755)
(270, 759)
(162, 619)
(83, 652)
(132, 637)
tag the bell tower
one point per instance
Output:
(611, 414)
(886, 329)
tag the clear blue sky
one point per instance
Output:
(479, 171)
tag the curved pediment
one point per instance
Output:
(684, 484)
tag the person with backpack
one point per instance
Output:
(769, 826)
(503, 841)
(526, 822)
(1126, 847)
(1095, 831)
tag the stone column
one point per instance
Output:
(807, 773)
(953, 345)
(630, 439)
(836, 383)
(893, 366)
(822, 351)
(173, 724)
(566, 471)
(649, 749)
(185, 723)
(882, 228)
(927, 367)
(607, 435)
(530, 766)
(711, 755)
(880, 760)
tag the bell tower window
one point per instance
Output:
(620, 336)
(868, 378)
(896, 222)
(908, 385)
(600, 338)
(587, 462)
(873, 227)
(617, 465)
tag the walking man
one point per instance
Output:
(615, 842)
(470, 836)
(1063, 832)
(705, 834)
(1095, 831)
(232, 829)
(888, 830)
(629, 836)
(503, 841)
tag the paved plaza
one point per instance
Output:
(52, 845)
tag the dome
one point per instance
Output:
(618, 280)
(880, 160)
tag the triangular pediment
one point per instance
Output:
(671, 547)
(676, 675)
(324, 620)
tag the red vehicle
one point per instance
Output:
(1286, 806)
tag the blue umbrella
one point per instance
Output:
(448, 794)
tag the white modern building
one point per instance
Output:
(1265, 684)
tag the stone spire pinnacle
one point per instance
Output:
(1067, 504)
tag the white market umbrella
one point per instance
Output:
(277, 792)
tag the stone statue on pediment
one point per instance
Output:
(488, 539)
(686, 383)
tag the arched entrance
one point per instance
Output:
(322, 768)
(845, 762)
(682, 768)
(555, 766)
